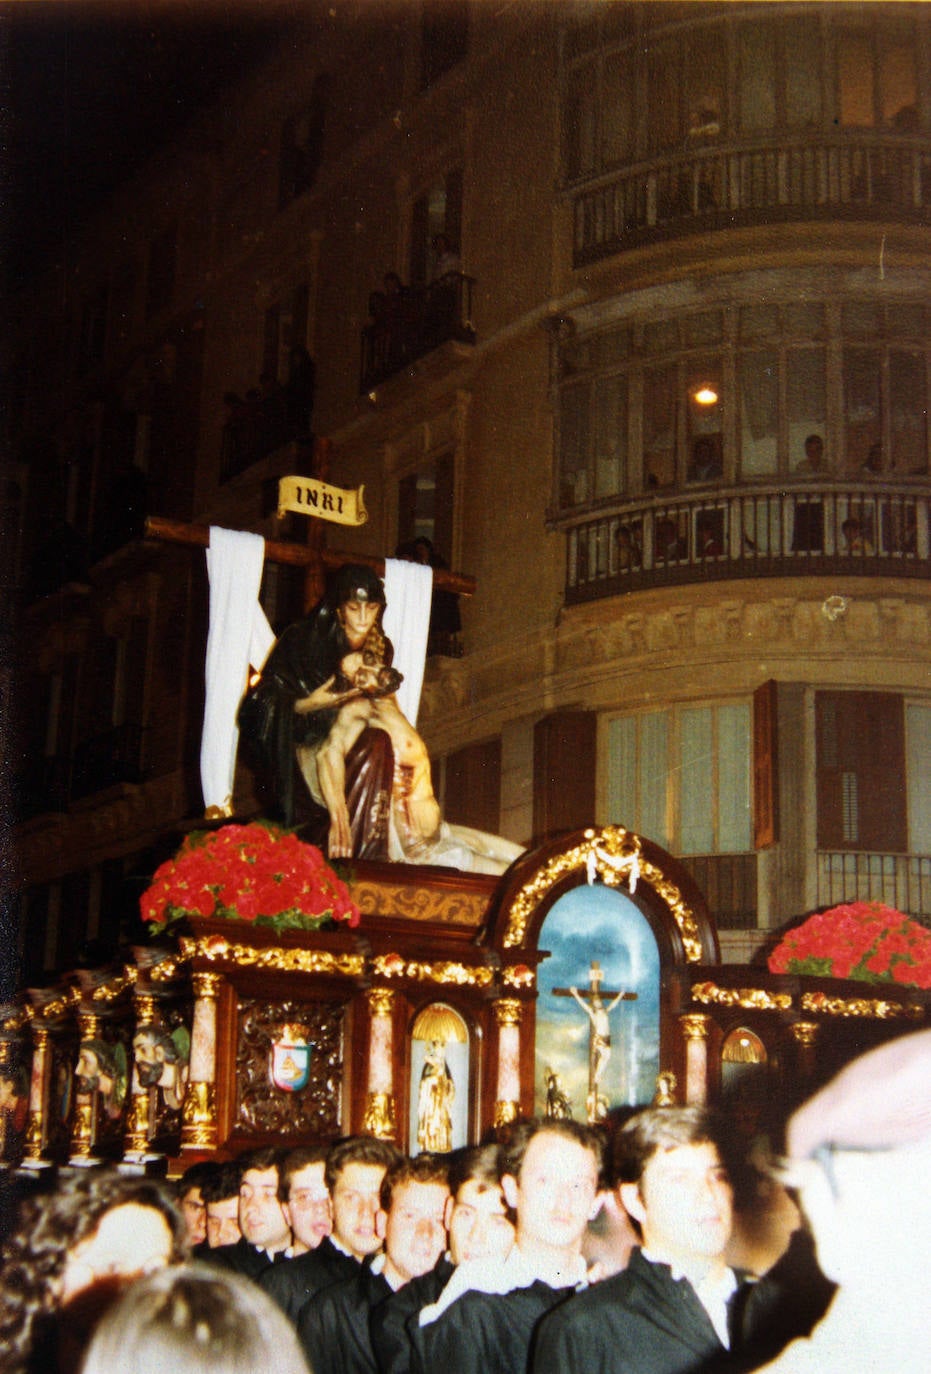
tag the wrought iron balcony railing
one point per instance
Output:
(844, 528)
(852, 175)
(412, 324)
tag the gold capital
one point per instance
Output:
(695, 1025)
(207, 985)
(805, 1032)
(505, 1112)
(381, 1001)
(508, 1011)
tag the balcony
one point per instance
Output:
(902, 881)
(849, 529)
(106, 760)
(423, 319)
(857, 175)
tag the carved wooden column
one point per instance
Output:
(379, 1106)
(507, 1104)
(139, 1122)
(199, 1113)
(805, 1035)
(695, 1032)
(36, 1123)
(84, 1121)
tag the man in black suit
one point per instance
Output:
(266, 1235)
(334, 1324)
(678, 1308)
(354, 1171)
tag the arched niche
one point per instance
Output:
(618, 899)
(438, 1110)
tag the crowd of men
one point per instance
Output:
(496, 1259)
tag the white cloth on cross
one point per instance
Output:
(408, 593)
(238, 635)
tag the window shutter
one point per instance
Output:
(860, 771)
(563, 773)
(765, 766)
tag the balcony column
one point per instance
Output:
(695, 1033)
(379, 1118)
(199, 1112)
(507, 1104)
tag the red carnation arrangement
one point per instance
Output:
(861, 940)
(257, 873)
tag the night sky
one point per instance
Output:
(88, 89)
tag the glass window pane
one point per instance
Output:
(759, 412)
(663, 126)
(622, 800)
(580, 122)
(862, 421)
(618, 125)
(757, 77)
(705, 426)
(908, 404)
(654, 779)
(704, 84)
(898, 99)
(855, 79)
(734, 831)
(697, 782)
(805, 401)
(573, 435)
(802, 62)
(610, 436)
(659, 427)
(918, 726)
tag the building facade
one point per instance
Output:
(657, 378)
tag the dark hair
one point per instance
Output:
(262, 1158)
(474, 1164)
(196, 1176)
(198, 1319)
(424, 1168)
(658, 1128)
(358, 1149)
(223, 1183)
(52, 1223)
(293, 1162)
(511, 1153)
(354, 581)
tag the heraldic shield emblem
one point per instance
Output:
(289, 1059)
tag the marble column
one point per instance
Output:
(695, 1031)
(379, 1105)
(199, 1112)
(507, 1104)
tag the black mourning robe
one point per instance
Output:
(484, 1333)
(292, 1283)
(388, 1322)
(333, 1326)
(241, 1257)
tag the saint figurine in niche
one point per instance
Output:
(434, 1102)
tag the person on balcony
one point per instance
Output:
(813, 465)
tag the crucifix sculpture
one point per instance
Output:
(591, 1000)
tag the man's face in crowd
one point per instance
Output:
(355, 1203)
(683, 1203)
(307, 1210)
(261, 1219)
(223, 1222)
(194, 1211)
(413, 1229)
(557, 1192)
(476, 1219)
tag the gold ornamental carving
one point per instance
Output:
(110, 991)
(518, 976)
(665, 1093)
(137, 1124)
(614, 855)
(379, 1116)
(416, 903)
(750, 999)
(381, 1001)
(206, 986)
(804, 1032)
(32, 1141)
(168, 969)
(217, 949)
(505, 1112)
(870, 1008)
(198, 1117)
(443, 971)
(695, 1025)
(82, 1130)
(508, 1011)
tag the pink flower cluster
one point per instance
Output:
(862, 940)
(256, 873)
